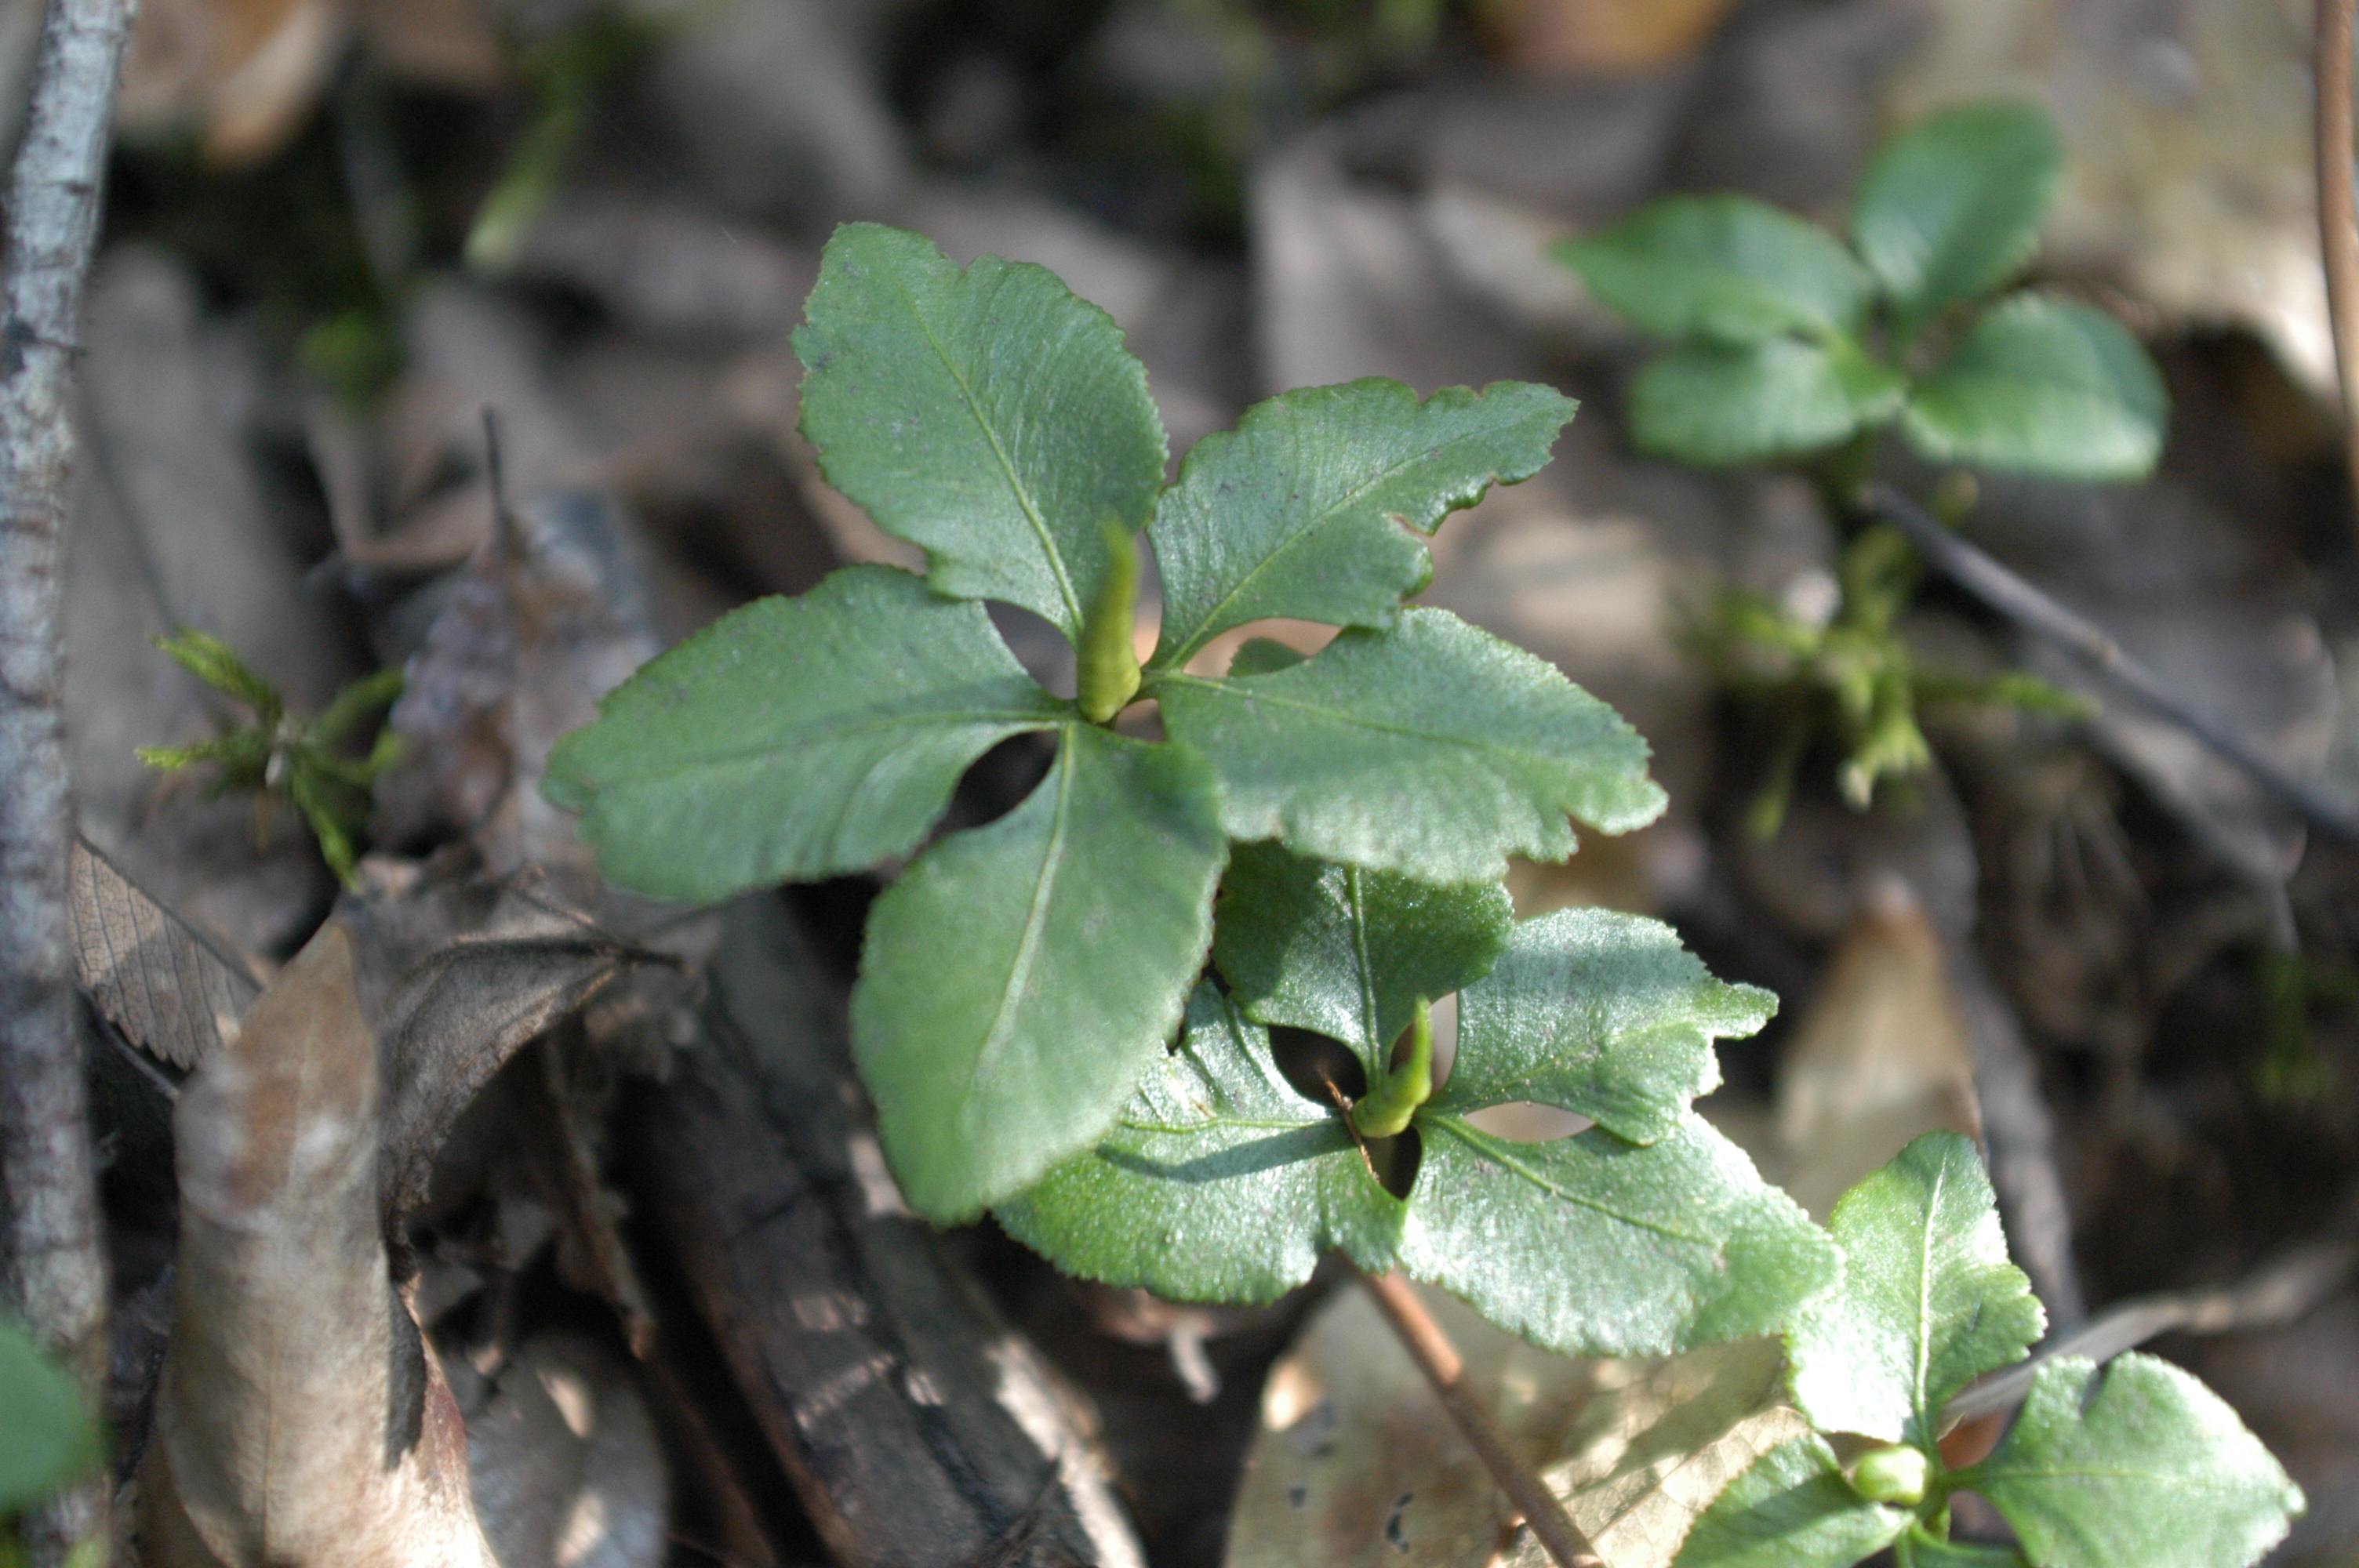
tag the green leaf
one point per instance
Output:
(1019, 978)
(794, 738)
(1264, 655)
(1710, 404)
(1950, 209)
(1928, 1300)
(2044, 386)
(1596, 1247)
(1347, 951)
(1218, 1183)
(212, 661)
(2155, 1471)
(1919, 1550)
(47, 1436)
(1791, 1509)
(1602, 1013)
(1306, 509)
(1726, 268)
(1433, 749)
(987, 414)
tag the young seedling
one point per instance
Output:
(298, 761)
(1792, 344)
(2136, 1465)
(1023, 983)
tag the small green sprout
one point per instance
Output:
(298, 761)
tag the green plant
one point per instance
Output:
(1022, 983)
(48, 1438)
(298, 761)
(1792, 344)
(2136, 1465)
(1171, 1018)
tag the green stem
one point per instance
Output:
(1109, 660)
(1385, 1109)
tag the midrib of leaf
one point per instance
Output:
(819, 734)
(1319, 520)
(1006, 465)
(1925, 1299)
(1499, 1153)
(1351, 875)
(1028, 950)
(1230, 689)
(1216, 1119)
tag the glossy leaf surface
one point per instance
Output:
(1347, 951)
(1711, 406)
(1218, 1183)
(1651, 1248)
(986, 414)
(2155, 1471)
(1602, 1013)
(1793, 1508)
(2044, 386)
(1726, 268)
(1434, 750)
(1949, 211)
(794, 738)
(1928, 1300)
(1313, 506)
(1020, 978)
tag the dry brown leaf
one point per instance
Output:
(1562, 37)
(1355, 1462)
(172, 991)
(299, 1418)
(1881, 1056)
(456, 976)
(567, 1471)
(245, 72)
(549, 616)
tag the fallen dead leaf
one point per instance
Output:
(175, 992)
(299, 1419)
(1881, 1056)
(1355, 1462)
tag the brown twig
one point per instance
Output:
(2338, 209)
(52, 1273)
(1437, 1359)
(2033, 610)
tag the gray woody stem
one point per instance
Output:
(1439, 1360)
(52, 1273)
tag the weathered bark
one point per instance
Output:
(919, 1428)
(52, 1273)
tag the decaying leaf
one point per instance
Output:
(1881, 1055)
(456, 976)
(244, 72)
(548, 616)
(567, 1472)
(1355, 1462)
(174, 991)
(299, 1418)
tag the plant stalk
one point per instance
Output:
(1439, 1360)
(2338, 210)
(52, 1270)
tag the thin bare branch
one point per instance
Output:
(1439, 1360)
(2338, 209)
(2033, 610)
(52, 1273)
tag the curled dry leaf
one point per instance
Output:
(301, 1419)
(456, 976)
(566, 1463)
(175, 992)
(1355, 1462)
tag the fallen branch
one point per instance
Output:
(2027, 607)
(2338, 210)
(52, 1273)
(1439, 1360)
